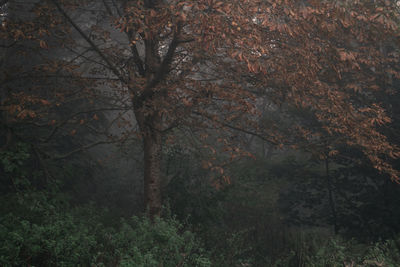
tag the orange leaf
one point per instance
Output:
(45, 102)
(43, 44)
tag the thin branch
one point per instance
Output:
(63, 77)
(116, 8)
(224, 124)
(83, 148)
(90, 42)
(87, 58)
(163, 69)
(182, 41)
(9, 136)
(137, 60)
(3, 2)
(107, 8)
(8, 46)
(57, 127)
(42, 163)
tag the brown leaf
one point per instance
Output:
(43, 44)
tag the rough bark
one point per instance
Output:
(331, 198)
(152, 173)
(152, 149)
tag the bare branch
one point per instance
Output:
(8, 46)
(164, 67)
(3, 2)
(135, 53)
(116, 8)
(90, 42)
(57, 127)
(83, 148)
(236, 128)
(162, 70)
(107, 8)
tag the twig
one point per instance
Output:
(90, 42)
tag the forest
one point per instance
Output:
(172, 133)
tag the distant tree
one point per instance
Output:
(205, 64)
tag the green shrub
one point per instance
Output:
(386, 253)
(336, 251)
(140, 242)
(58, 240)
(44, 235)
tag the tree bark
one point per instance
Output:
(331, 197)
(152, 173)
(152, 149)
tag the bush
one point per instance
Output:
(47, 236)
(314, 251)
(56, 240)
(140, 242)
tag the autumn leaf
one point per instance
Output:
(206, 164)
(43, 44)
(45, 102)
(186, 102)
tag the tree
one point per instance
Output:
(204, 64)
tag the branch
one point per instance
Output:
(117, 8)
(172, 126)
(69, 77)
(262, 137)
(9, 136)
(90, 42)
(182, 41)
(3, 2)
(163, 69)
(81, 149)
(56, 128)
(107, 8)
(85, 57)
(135, 53)
(137, 60)
(8, 46)
(42, 163)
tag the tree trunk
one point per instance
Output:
(152, 149)
(152, 172)
(331, 197)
